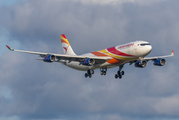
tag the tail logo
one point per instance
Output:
(66, 45)
(66, 48)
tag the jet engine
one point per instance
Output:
(49, 58)
(140, 64)
(88, 62)
(159, 62)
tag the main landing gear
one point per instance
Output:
(89, 73)
(119, 73)
(103, 71)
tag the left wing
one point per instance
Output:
(64, 57)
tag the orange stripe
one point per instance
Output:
(99, 54)
(114, 61)
(63, 41)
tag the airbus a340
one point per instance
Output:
(133, 52)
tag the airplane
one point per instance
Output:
(117, 56)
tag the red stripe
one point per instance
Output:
(113, 50)
(8, 47)
(112, 61)
(63, 35)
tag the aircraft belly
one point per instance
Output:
(77, 66)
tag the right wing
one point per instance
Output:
(150, 58)
(64, 57)
(155, 58)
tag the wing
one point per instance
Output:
(155, 58)
(150, 58)
(64, 57)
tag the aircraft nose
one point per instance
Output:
(149, 48)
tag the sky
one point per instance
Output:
(34, 90)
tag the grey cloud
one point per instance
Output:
(43, 90)
(32, 23)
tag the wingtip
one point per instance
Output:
(172, 52)
(9, 48)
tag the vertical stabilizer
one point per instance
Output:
(67, 49)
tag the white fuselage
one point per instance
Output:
(121, 53)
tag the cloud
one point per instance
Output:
(117, 2)
(31, 89)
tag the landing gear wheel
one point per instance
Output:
(101, 72)
(122, 73)
(120, 76)
(86, 75)
(89, 72)
(92, 71)
(118, 72)
(116, 76)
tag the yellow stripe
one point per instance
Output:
(62, 38)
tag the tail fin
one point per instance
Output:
(67, 49)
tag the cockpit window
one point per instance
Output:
(143, 44)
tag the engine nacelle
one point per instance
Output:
(49, 58)
(160, 62)
(141, 64)
(88, 62)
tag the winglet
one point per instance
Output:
(172, 52)
(9, 48)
